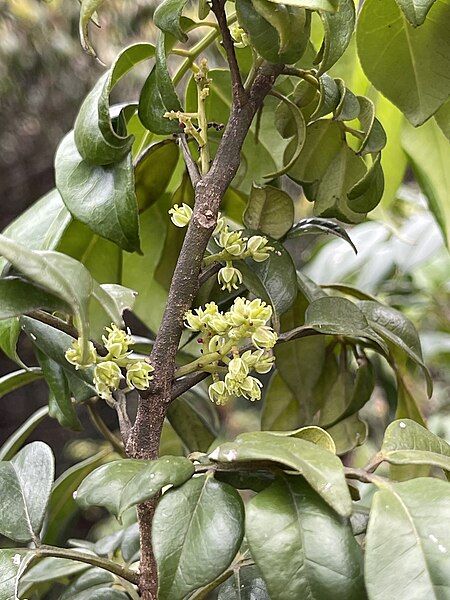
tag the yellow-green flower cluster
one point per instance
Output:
(226, 333)
(108, 369)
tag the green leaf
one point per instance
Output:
(153, 172)
(366, 194)
(409, 66)
(317, 225)
(10, 565)
(54, 569)
(429, 154)
(329, 97)
(273, 280)
(349, 106)
(187, 418)
(374, 135)
(87, 12)
(102, 197)
(398, 330)
(25, 484)
(415, 10)
(321, 469)
(279, 36)
(270, 211)
(9, 336)
(442, 117)
(245, 583)
(61, 275)
(62, 507)
(406, 442)
(97, 138)
(13, 444)
(18, 296)
(313, 434)
(326, 5)
(17, 379)
(418, 511)
(338, 30)
(348, 434)
(196, 532)
(90, 580)
(303, 549)
(167, 18)
(60, 400)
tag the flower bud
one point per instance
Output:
(264, 337)
(221, 225)
(106, 378)
(237, 369)
(251, 388)
(257, 247)
(75, 352)
(180, 215)
(232, 242)
(138, 375)
(218, 393)
(229, 277)
(216, 343)
(239, 35)
(117, 342)
(260, 361)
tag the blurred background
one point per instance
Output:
(44, 75)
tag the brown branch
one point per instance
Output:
(208, 272)
(239, 93)
(190, 163)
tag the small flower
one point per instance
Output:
(218, 393)
(117, 342)
(261, 361)
(237, 369)
(232, 242)
(74, 354)
(106, 378)
(229, 277)
(250, 313)
(257, 247)
(240, 37)
(220, 225)
(138, 375)
(251, 388)
(180, 215)
(216, 343)
(264, 337)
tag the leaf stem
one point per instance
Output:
(104, 430)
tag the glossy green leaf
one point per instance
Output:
(303, 549)
(338, 29)
(348, 434)
(54, 569)
(398, 330)
(374, 139)
(10, 563)
(13, 444)
(407, 442)
(418, 511)
(270, 211)
(313, 434)
(62, 507)
(17, 379)
(190, 422)
(9, 336)
(415, 10)
(167, 18)
(90, 580)
(329, 97)
(278, 36)
(196, 532)
(101, 196)
(349, 106)
(429, 154)
(366, 194)
(60, 399)
(25, 484)
(153, 172)
(413, 73)
(18, 296)
(321, 469)
(442, 117)
(316, 225)
(245, 583)
(97, 138)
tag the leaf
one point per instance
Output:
(18, 296)
(406, 442)
(196, 532)
(398, 330)
(407, 65)
(54, 569)
(286, 527)
(153, 172)
(366, 194)
(17, 379)
(415, 10)
(419, 513)
(348, 434)
(10, 563)
(25, 484)
(167, 18)
(273, 280)
(321, 469)
(101, 196)
(349, 106)
(167, 470)
(13, 444)
(317, 225)
(60, 400)
(375, 137)
(429, 153)
(313, 434)
(329, 97)
(89, 580)
(339, 316)
(87, 10)
(62, 507)
(189, 422)
(279, 36)
(9, 336)
(61, 275)
(442, 117)
(270, 211)
(123, 483)
(308, 290)
(98, 138)
(245, 583)
(338, 30)
(326, 5)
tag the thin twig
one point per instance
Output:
(208, 272)
(191, 165)
(104, 430)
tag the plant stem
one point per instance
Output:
(104, 430)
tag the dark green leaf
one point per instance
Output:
(197, 530)
(25, 485)
(303, 549)
(338, 29)
(348, 434)
(167, 18)
(17, 379)
(269, 210)
(348, 107)
(329, 97)
(10, 563)
(102, 197)
(318, 225)
(153, 172)
(321, 469)
(374, 135)
(413, 563)
(245, 583)
(366, 194)
(89, 580)
(13, 444)
(190, 423)
(9, 336)
(18, 297)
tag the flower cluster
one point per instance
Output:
(108, 369)
(227, 333)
